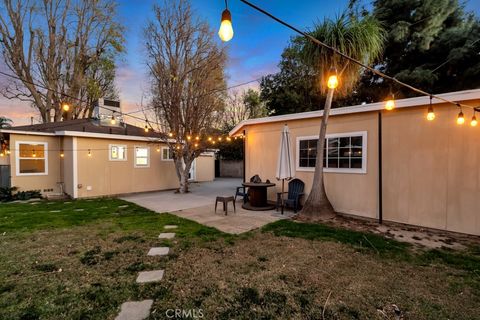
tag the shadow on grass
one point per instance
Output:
(468, 260)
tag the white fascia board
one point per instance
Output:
(110, 136)
(30, 133)
(457, 96)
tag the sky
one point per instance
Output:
(254, 51)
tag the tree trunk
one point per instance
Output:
(183, 170)
(317, 206)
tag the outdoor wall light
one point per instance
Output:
(226, 30)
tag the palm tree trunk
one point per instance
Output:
(317, 206)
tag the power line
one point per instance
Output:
(343, 55)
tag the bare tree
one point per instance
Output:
(187, 75)
(239, 107)
(62, 51)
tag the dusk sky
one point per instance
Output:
(253, 52)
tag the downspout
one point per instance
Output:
(244, 155)
(380, 179)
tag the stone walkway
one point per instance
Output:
(139, 310)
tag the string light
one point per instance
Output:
(390, 104)
(189, 138)
(34, 154)
(196, 145)
(170, 134)
(113, 121)
(158, 148)
(430, 113)
(62, 154)
(226, 30)
(7, 151)
(213, 142)
(2, 154)
(209, 138)
(474, 121)
(460, 118)
(146, 128)
(89, 153)
(197, 138)
(332, 82)
(229, 139)
(219, 138)
(65, 107)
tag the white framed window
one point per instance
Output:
(343, 153)
(31, 158)
(117, 152)
(142, 157)
(166, 154)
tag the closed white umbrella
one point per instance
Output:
(285, 170)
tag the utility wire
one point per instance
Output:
(335, 50)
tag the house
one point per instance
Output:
(387, 165)
(91, 158)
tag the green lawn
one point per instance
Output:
(79, 260)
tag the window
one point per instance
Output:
(118, 152)
(142, 157)
(32, 158)
(166, 154)
(345, 152)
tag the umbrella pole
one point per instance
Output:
(283, 189)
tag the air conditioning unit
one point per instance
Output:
(108, 112)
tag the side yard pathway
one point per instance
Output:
(139, 310)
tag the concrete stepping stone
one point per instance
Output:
(124, 206)
(78, 209)
(55, 210)
(150, 276)
(166, 235)
(158, 251)
(135, 310)
(170, 226)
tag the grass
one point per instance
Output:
(79, 260)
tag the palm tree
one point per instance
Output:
(359, 38)
(5, 123)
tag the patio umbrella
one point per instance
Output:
(285, 169)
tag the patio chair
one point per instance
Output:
(294, 195)
(243, 191)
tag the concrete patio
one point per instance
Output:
(199, 206)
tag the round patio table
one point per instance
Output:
(257, 195)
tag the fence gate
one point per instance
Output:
(4, 176)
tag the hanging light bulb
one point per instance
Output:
(2, 154)
(170, 134)
(390, 104)
(332, 82)
(62, 154)
(229, 139)
(219, 138)
(213, 142)
(146, 128)
(196, 145)
(430, 113)
(158, 148)
(34, 154)
(460, 118)
(189, 138)
(209, 138)
(226, 30)
(474, 121)
(7, 151)
(65, 107)
(197, 138)
(89, 153)
(112, 120)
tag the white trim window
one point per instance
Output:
(167, 154)
(31, 158)
(343, 153)
(117, 152)
(142, 157)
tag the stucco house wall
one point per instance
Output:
(205, 167)
(431, 169)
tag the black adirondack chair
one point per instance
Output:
(242, 192)
(294, 195)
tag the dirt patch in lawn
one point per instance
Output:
(269, 277)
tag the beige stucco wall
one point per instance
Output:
(68, 164)
(432, 169)
(104, 177)
(37, 182)
(352, 193)
(205, 167)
